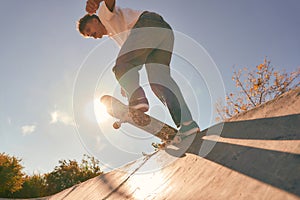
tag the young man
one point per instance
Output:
(145, 39)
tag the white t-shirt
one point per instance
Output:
(121, 20)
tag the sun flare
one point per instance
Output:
(100, 111)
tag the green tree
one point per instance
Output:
(70, 173)
(89, 167)
(11, 176)
(33, 186)
(14, 183)
(256, 87)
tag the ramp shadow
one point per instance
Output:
(279, 169)
(275, 128)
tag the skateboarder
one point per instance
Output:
(145, 39)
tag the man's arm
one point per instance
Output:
(93, 5)
(110, 4)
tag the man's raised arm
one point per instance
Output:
(93, 5)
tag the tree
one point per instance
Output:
(33, 186)
(11, 176)
(13, 183)
(256, 87)
(70, 173)
(89, 167)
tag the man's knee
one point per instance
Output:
(119, 71)
(160, 56)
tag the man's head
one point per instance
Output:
(91, 26)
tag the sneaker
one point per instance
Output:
(186, 130)
(139, 104)
(138, 100)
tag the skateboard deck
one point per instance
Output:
(139, 119)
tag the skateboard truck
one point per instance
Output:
(176, 140)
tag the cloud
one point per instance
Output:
(61, 117)
(9, 122)
(28, 129)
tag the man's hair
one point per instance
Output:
(84, 20)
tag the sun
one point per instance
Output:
(100, 111)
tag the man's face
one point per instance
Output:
(94, 28)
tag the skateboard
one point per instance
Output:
(141, 120)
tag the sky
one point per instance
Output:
(51, 76)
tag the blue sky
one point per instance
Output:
(42, 54)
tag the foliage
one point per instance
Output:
(256, 87)
(70, 173)
(11, 176)
(33, 186)
(13, 183)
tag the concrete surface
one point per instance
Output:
(254, 159)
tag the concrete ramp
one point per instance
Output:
(254, 159)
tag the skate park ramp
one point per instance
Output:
(256, 156)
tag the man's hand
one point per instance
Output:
(92, 6)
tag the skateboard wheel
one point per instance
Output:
(117, 125)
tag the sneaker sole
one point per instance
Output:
(141, 107)
(190, 132)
